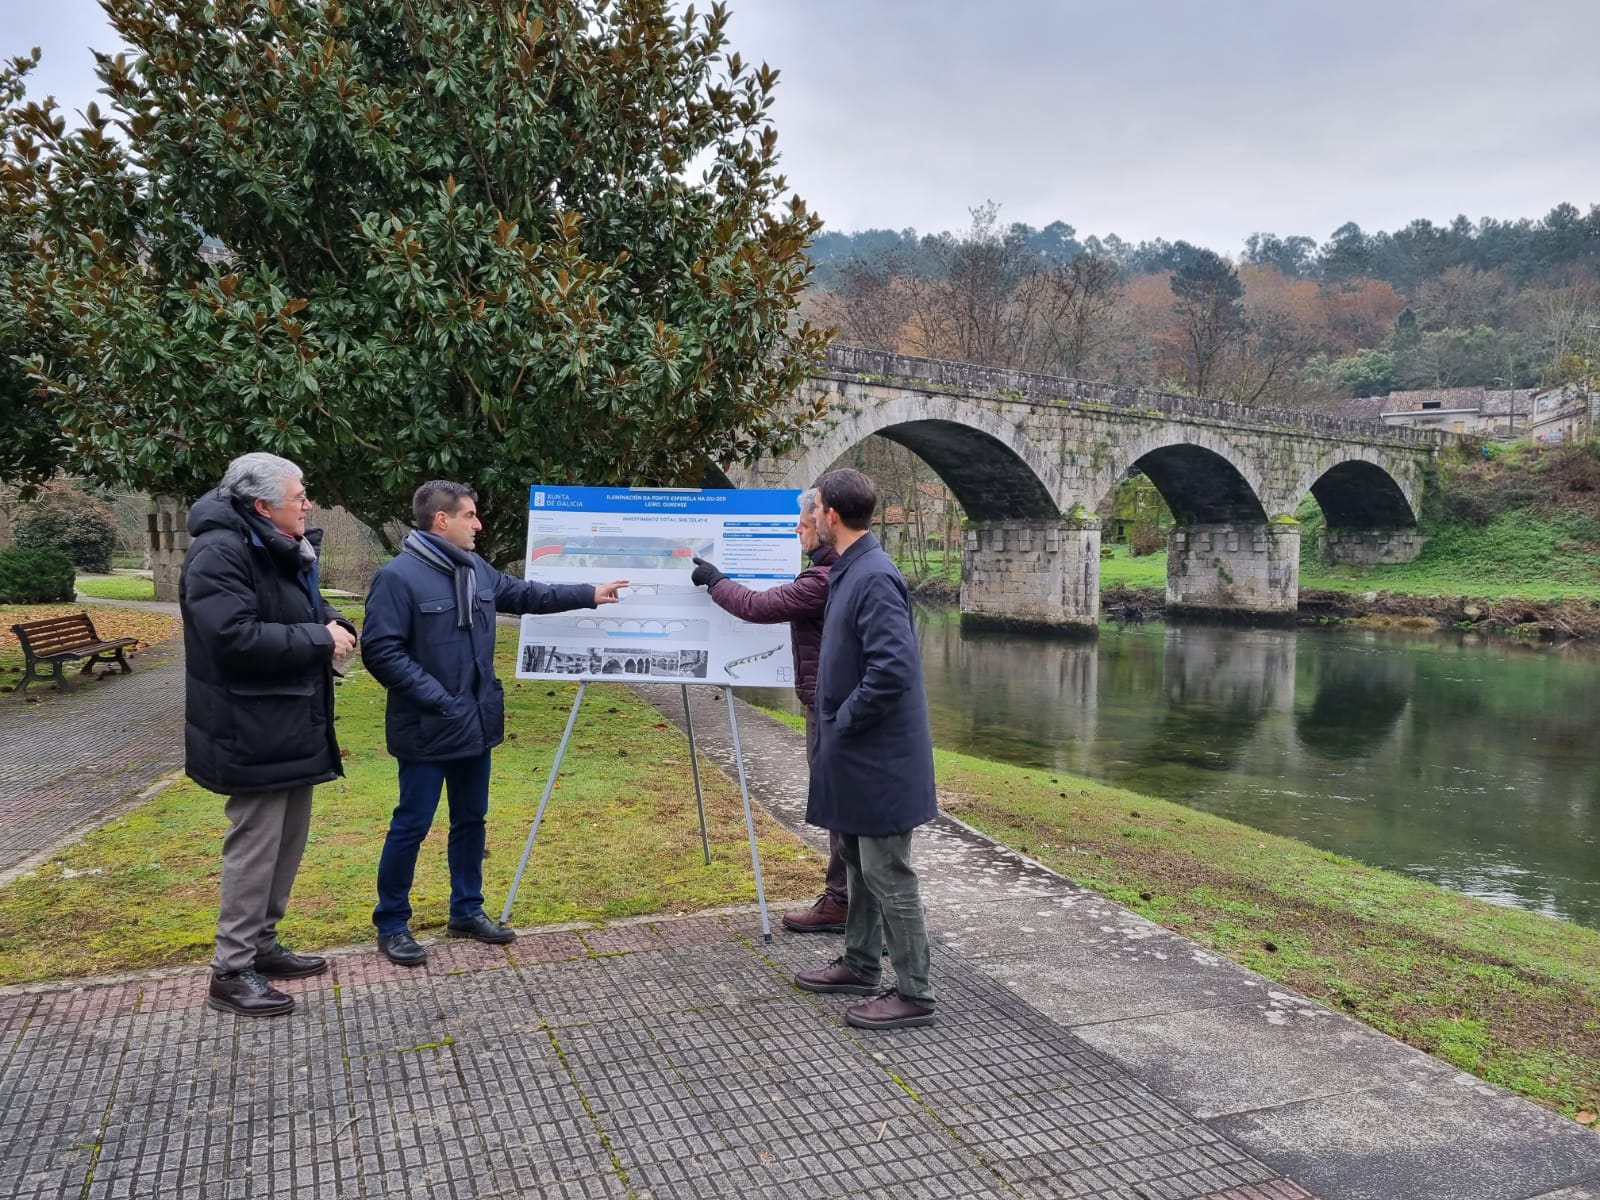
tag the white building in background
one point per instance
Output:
(1536, 414)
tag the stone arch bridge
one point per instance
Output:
(1030, 457)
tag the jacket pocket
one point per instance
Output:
(275, 721)
(451, 735)
(493, 710)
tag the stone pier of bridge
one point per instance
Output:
(1021, 574)
(1239, 568)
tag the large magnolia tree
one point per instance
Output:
(404, 239)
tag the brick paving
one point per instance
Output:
(66, 762)
(678, 1061)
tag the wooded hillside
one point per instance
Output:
(1288, 322)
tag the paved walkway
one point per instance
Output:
(1081, 1052)
(69, 762)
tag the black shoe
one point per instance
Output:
(246, 994)
(481, 929)
(282, 963)
(402, 949)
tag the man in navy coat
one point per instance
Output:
(429, 639)
(872, 773)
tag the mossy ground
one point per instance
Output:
(620, 838)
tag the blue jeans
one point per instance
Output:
(420, 783)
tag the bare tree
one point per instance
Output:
(1208, 302)
(1071, 314)
(870, 304)
(1264, 367)
(983, 269)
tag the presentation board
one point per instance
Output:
(664, 629)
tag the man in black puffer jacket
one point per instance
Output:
(259, 644)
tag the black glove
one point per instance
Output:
(706, 574)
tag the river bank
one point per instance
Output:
(1511, 996)
(1547, 619)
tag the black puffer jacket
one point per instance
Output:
(258, 656)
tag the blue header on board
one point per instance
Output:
(700, 502)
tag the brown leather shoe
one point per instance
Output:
(889, 1011)
(246, 994)
(827, 915)
(835, 977)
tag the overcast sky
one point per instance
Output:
(1198, 119)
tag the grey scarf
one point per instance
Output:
(450, 560)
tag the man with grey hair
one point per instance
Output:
(801, 604)
(259, 644)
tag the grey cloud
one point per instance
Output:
(1199, 120)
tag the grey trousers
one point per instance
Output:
(260, 855)
(886, 898)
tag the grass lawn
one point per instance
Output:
(621, 838)
(1516, 554)
(1146, 571)
(1511, 996)
(117, 587)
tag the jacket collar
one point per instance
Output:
(824, 555)
(860, 547)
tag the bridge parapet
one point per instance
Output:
(1032, 388)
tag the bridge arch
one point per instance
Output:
(1356, 488)
(1202, 476)
(995, 470)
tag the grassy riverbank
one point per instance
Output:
(621, 838)
(1511, 996)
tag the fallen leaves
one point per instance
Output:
(109, 622)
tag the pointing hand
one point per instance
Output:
(606, 593)
(706, 574)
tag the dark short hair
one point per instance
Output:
(850, 494)
(438, 496)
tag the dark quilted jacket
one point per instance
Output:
(800, 603)
(258, 712)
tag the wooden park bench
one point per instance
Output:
(55, 640)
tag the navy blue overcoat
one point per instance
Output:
(873, 771)
(444, 700)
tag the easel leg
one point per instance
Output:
(549, 786)
(749, 818)
(694, 765)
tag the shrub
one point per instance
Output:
(76, 524)
(1145, 539)
(35, 576)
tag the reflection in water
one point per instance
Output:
(1357, 702)
(1472, 765)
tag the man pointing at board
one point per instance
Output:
(429, 639)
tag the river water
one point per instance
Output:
(1472, 764)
